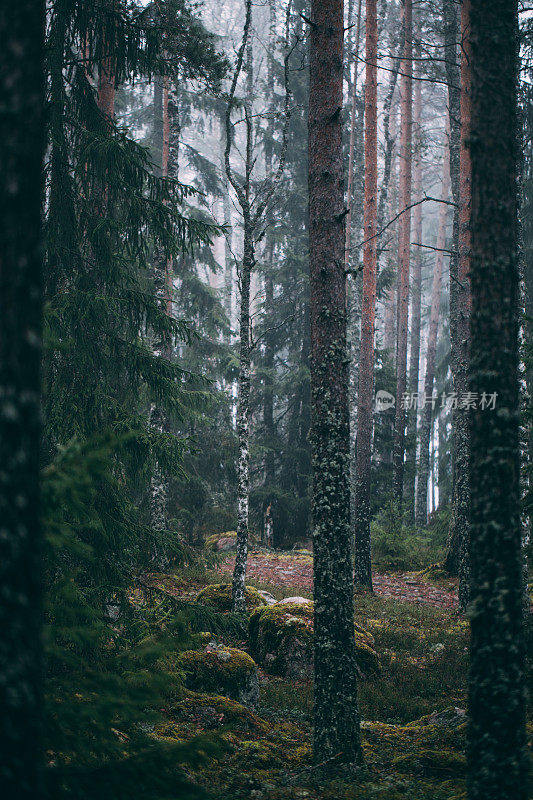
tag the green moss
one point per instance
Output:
(272, 631)
(218, 669)
(212, 541)
(197, 710)
(218, 596)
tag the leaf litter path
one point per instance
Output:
(295, 570)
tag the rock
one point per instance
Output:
(451, 718)
(218, 596)
(211, 712)
(296, 600)
(222, 542)
(269, 599)
(281, 641)
(222, 670)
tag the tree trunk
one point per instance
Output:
(426, 415)
(21, 574)
(351, 153)
(268, 398)
(453, 79)
(414, 361)
(362, 555)
(336, 732)
(460, 361)
(243, 422)
(405, 252)
(158, 418)
(497, 763)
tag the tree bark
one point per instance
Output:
(453, 79)
(21, 573)
(362, 554)
(426, 415)
(416, 303)
(162, 271)
(336, 732)
(497, 765)
(461, 499)
(351, 151)
(405, 251)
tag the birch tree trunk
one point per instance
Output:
(497, 763)
(426, 414)
(243, 403)
(243, 422)
(336, 730)
(21, 571)
(404, 251)
(362, 554)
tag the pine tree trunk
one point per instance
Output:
(404, 252)
(158, 418)
(497, 763)
(461, 498)
(268, 400)
(426, 415)
(106, 82)
(336, 732)
(414, 361)
(21, 572)
(362, 554)
(351, 150)
(453, 79)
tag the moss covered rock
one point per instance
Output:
(199, 711)
(222, 542)
(281, 639)
(221, 670)
(218, 596)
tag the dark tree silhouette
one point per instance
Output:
(496, 736)
(21, 156)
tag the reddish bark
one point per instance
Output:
(363, 564)
(106, 82)
(404, 249)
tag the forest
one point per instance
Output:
(266, 381)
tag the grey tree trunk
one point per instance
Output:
(362, 553)
(21, 573)
(427, 410)
(336, 730)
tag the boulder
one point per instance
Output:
(222, 671)
(281, 641)
(222, 542)
(218, 596)
(295, 600)
(269, 599)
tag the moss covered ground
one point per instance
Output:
(413, 725)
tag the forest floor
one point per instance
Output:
(413, 723)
